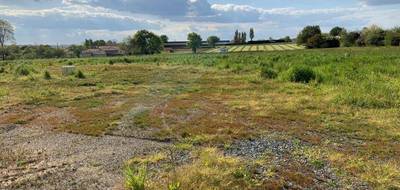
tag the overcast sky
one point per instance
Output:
(71, 21)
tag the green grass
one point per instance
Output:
(348, 111)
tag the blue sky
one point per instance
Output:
(71, 21)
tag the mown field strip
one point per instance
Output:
(285, 47)
(233, 49)
(254, 48)
(269, 48)
(246, 48)
(295, 46)
(277, 47)
(261, 48)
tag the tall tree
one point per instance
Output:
(164, 39)
(307, 33)
(6, 34)
(194, 41)
(212, 40)
(145, 42)
(251, 34)
(236, 38)
(337, 31)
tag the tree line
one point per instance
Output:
(312, 37)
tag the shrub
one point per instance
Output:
(47, 75)
(303, 74)
(268, 73)
(392, 38)
(349, 39)
(307, 33)
(135, 179)
(110, 62)
(80, 75)
(22, 70)
(373, 36)
(314, 41)
(2, 70)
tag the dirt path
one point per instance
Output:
(34, 158)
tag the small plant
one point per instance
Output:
(135, 179)
(174, 186)
(110, 62)
(302, 74)
(2, 70)
(22, 70)
(47, 75)
(268, 73)
(80, 75)
(70, 63)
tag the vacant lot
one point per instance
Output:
(258, 47)
(319, 119)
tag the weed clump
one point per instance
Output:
(268, 73)
(47, 75)
(2, 70)
(301, 74)
(22, 70)
(135, 179)
(110, 62)
(80, 75)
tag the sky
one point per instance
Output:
(72, 21)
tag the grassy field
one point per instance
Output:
(236, 127)
(260, 47)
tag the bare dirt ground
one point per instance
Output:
(38, 158)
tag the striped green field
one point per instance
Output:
(260, 47)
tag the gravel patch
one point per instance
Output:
(54, 160)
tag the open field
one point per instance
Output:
(205, 121)
(258, 47)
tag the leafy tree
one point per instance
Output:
(315, 41)
(392, 37)
(145, 42)
(244, 38)
(212, 40)
(373, 36)
(164, 39)
(251, 34)
(88, 43)
(287, 39)
(337, 31)
(307, 33)
(6, 34)
(349, 39)
(76, 50)
(194, 41)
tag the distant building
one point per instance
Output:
(102, 51)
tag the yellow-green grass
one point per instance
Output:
(349, 116)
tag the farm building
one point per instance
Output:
(102, 51)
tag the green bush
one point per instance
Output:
(268, 73)
(135, 179)
(80, 75)
(22, 70)
(47, 75)
(301, 74)
(2, 70)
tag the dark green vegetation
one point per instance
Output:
(344, 104)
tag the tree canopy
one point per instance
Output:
(252, 34)
(6, 35)
(212, 40)
(194, 41)
(145, 42)
(164, 38)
